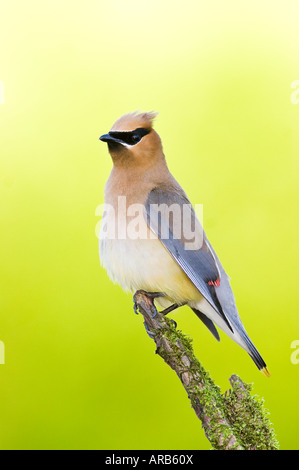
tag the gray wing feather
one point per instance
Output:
(208, 323)
(201, 265)
(198, 264)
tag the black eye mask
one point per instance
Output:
(130, 137)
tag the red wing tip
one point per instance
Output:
(215, 283)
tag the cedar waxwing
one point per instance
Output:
(148, 251)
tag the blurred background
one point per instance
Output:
(80, 372)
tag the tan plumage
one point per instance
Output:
(139, 169)
(131, 262)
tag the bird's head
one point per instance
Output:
(133, 141)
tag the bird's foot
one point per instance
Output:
(150, 297)
(169, 309)
(149, 332)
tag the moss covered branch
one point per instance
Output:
(235, 421)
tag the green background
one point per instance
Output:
(80, 372)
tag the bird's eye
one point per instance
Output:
(136, 138)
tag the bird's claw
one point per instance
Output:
(151, 296)
(149, 332)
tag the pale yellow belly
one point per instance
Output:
(147, 265)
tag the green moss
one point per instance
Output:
(239, 416)
(249, 418)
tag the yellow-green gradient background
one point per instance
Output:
(80, 371)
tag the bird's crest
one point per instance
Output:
(131, 121)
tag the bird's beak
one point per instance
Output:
(109, 139)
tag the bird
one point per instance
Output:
(151, 239)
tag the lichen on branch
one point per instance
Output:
(236, 421)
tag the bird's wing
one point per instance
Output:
(208, 323)
(170, 215)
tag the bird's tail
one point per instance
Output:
(255, 356)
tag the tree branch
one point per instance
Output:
(234, 422)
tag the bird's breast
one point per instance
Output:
(144, 263)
